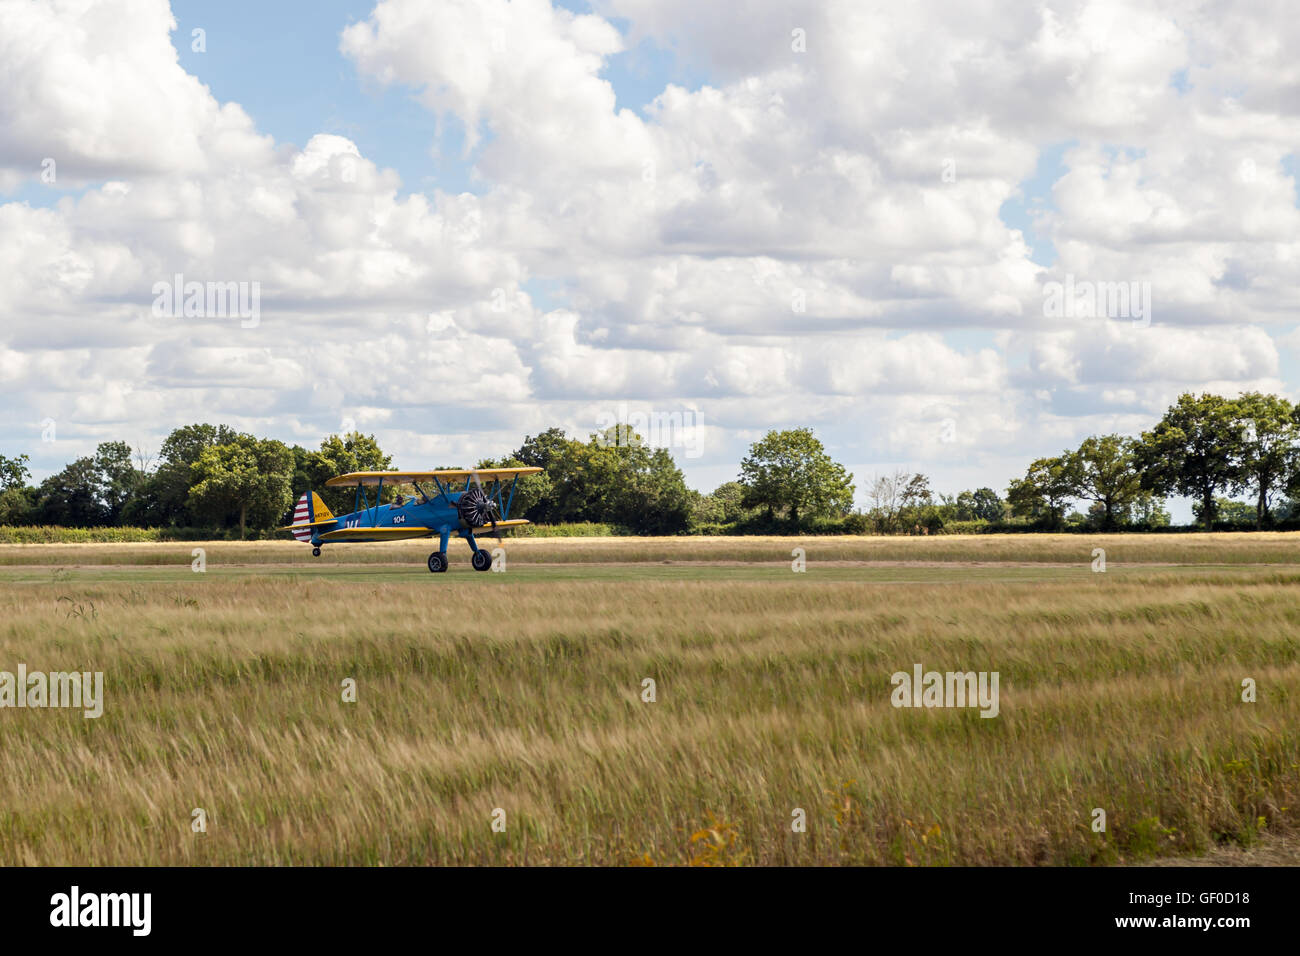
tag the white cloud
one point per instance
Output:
(810, 238)
(97, 86)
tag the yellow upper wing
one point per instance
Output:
(450, 474)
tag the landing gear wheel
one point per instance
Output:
(482, 561)
(315, 552)
(438, 562)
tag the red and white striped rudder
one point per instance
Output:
(302, 515)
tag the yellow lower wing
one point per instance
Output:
(398, 533)
(377, 534)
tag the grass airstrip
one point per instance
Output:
(654, 700)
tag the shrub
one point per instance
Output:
(573, 529)
(53, 534)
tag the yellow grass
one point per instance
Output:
(1182, 548)
(522, 691)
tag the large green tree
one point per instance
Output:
(1102, 470)
(163, 497)
(16, 498)
(612, 477)
(70, 497)
(1269, 449)
(982, 503)
(539, 451)
(118, 478)
(1044, 493)
(248, 477)
(185, 444)
(579, 483)
(652, 497)
(789, 472)
(90, 491)
(14, 472)
(1195, 450)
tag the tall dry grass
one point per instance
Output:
(523, 692)
(1192, 548)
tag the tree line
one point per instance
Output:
(215, 479)
(1206, 447)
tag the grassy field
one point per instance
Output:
(1070, 549)
(522, 692)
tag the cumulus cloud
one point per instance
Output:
(96, 86)
(814, 236)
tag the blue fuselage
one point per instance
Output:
(423, 514)
(436, 513)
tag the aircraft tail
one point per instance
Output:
(309, 511)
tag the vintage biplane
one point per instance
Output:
(438, 508)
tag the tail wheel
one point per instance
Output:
(482, 561)
(315, 552)
(438, 562)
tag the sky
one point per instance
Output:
(459, 222)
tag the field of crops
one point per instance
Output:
(504, 717)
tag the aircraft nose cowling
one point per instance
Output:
(476, 509)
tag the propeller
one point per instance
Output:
(477, 508)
